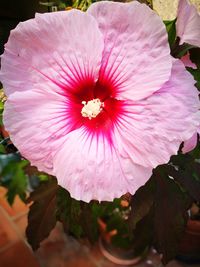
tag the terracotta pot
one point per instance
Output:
(189, 249)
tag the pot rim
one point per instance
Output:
(116, 260)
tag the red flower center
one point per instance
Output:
(104, 95)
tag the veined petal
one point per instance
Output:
(136, 56)
(188, 23)
(64, 48)
(35, 121)
(151, 130)
(89, 168)
(44, 64)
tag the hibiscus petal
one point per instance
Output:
(151, 130)
(136, 56)
(190, 144)
(63, 47)
(35, 120)
(188, 23)
(89, 168)
(44, 61)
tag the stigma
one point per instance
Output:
(91, 108)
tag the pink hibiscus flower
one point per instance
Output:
(95, 98)
(188, 23)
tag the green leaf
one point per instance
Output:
(178, 51)
(43, 177)
(171, 30)
(170, 214)
(196, 74)
(189, 182)
(12, 176)
(6, 159)
(82, 4)
(2, 149)
(42, 213)
(1, 112)
(194, 56)
(187, 173)
(15, 179)
(69, 213)
(183, 49)
(143, 233)
(141, 217)
(142, 202)
(1, 106)
(89, 222)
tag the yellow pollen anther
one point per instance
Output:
(91, 108)
(3, 97)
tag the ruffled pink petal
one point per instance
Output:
(188, 23)
(35, 121)
(136, 56)
(190, 144)
(89, 168)
(62, 47)
(151, 130)
(48, 62)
